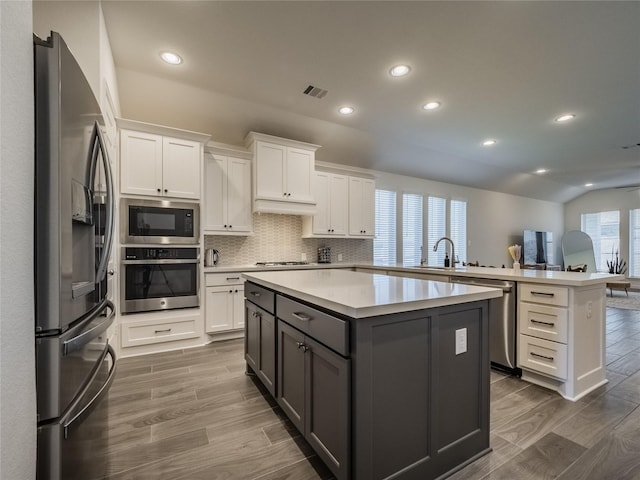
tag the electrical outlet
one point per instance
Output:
(339, 257)
(461, 341)
(303, 257)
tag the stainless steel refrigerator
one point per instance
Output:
(74, 222)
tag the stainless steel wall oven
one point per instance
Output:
(161, 222)
(159, 278)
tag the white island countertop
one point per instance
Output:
(360, 295)
(552, 277)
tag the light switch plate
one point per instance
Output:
(461, 341)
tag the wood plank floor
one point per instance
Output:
(194, 414)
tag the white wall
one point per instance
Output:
(17, 355)
(494, 220)
(623, 199)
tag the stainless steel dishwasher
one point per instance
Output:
(502, 322)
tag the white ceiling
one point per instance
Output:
(502, 70)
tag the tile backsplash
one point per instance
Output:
(278, 238)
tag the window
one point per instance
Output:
(604, 230)
(411, 229)
(384, 244)
(634, 243)
(436, 228)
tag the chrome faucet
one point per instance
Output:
(453, 249)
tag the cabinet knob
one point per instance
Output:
(230, 291)
(230, 226)
(225, 226)
(166, 191)
(288, 194)
(159, 190)
(284, 194)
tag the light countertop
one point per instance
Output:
(360, 295)
(572, 279)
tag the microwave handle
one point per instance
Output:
(98, 146)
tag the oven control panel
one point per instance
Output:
(144, 253)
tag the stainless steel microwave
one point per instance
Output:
(162, 222)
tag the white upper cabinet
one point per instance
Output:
(155, 164)
(331, 192)
(361, 207)
(227, 195)
(283, 172)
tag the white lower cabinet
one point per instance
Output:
(542, 327)
(159, 327)
(224, 303)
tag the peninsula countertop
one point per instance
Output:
(361, 295)
(572, 279)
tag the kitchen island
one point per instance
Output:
(384, 376)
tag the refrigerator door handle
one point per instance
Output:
(88, 408)
(77, 342)
(97, 147)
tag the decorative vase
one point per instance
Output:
(516, 265)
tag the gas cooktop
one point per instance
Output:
(277, 264)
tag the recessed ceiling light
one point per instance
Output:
(171, 58)
(488, 143)
(346, 110)
(565, 118)
(588, 184)
(399, 70)
(540, 171)
(431, 105)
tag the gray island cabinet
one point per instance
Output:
(386, 377)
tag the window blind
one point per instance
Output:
(604, 230)
(634, 243)
(436, 228)
(384, 244)
(411, 228)
(459, 228)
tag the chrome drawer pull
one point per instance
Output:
(301, 316)
(534, 354)
(166, 330)
(254, 294)
(539, 322)
(544, 294)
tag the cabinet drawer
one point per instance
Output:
(331, 331)
(543, 356)
(547, 294)
(145, 332)
(215, 279)
(550, 323)
(260, 296)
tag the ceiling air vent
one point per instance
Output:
(316, 92)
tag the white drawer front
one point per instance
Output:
(546, 294)
(550, 323)
(145, 332)
(216, 279)
(542, 356)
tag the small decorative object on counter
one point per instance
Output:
(515, 251)
(446, 260)
(324, 255)
(616, 265)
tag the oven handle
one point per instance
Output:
(166, 261)
(88, 408)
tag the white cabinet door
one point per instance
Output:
(219, 308)
(238, 195)
(338, 201)
(361, 207)
(369, 207)
(299, 168)
(270, 168)
(238, 306)
(215, 193)
(321, 187)
(141, 163)
(180, 168)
